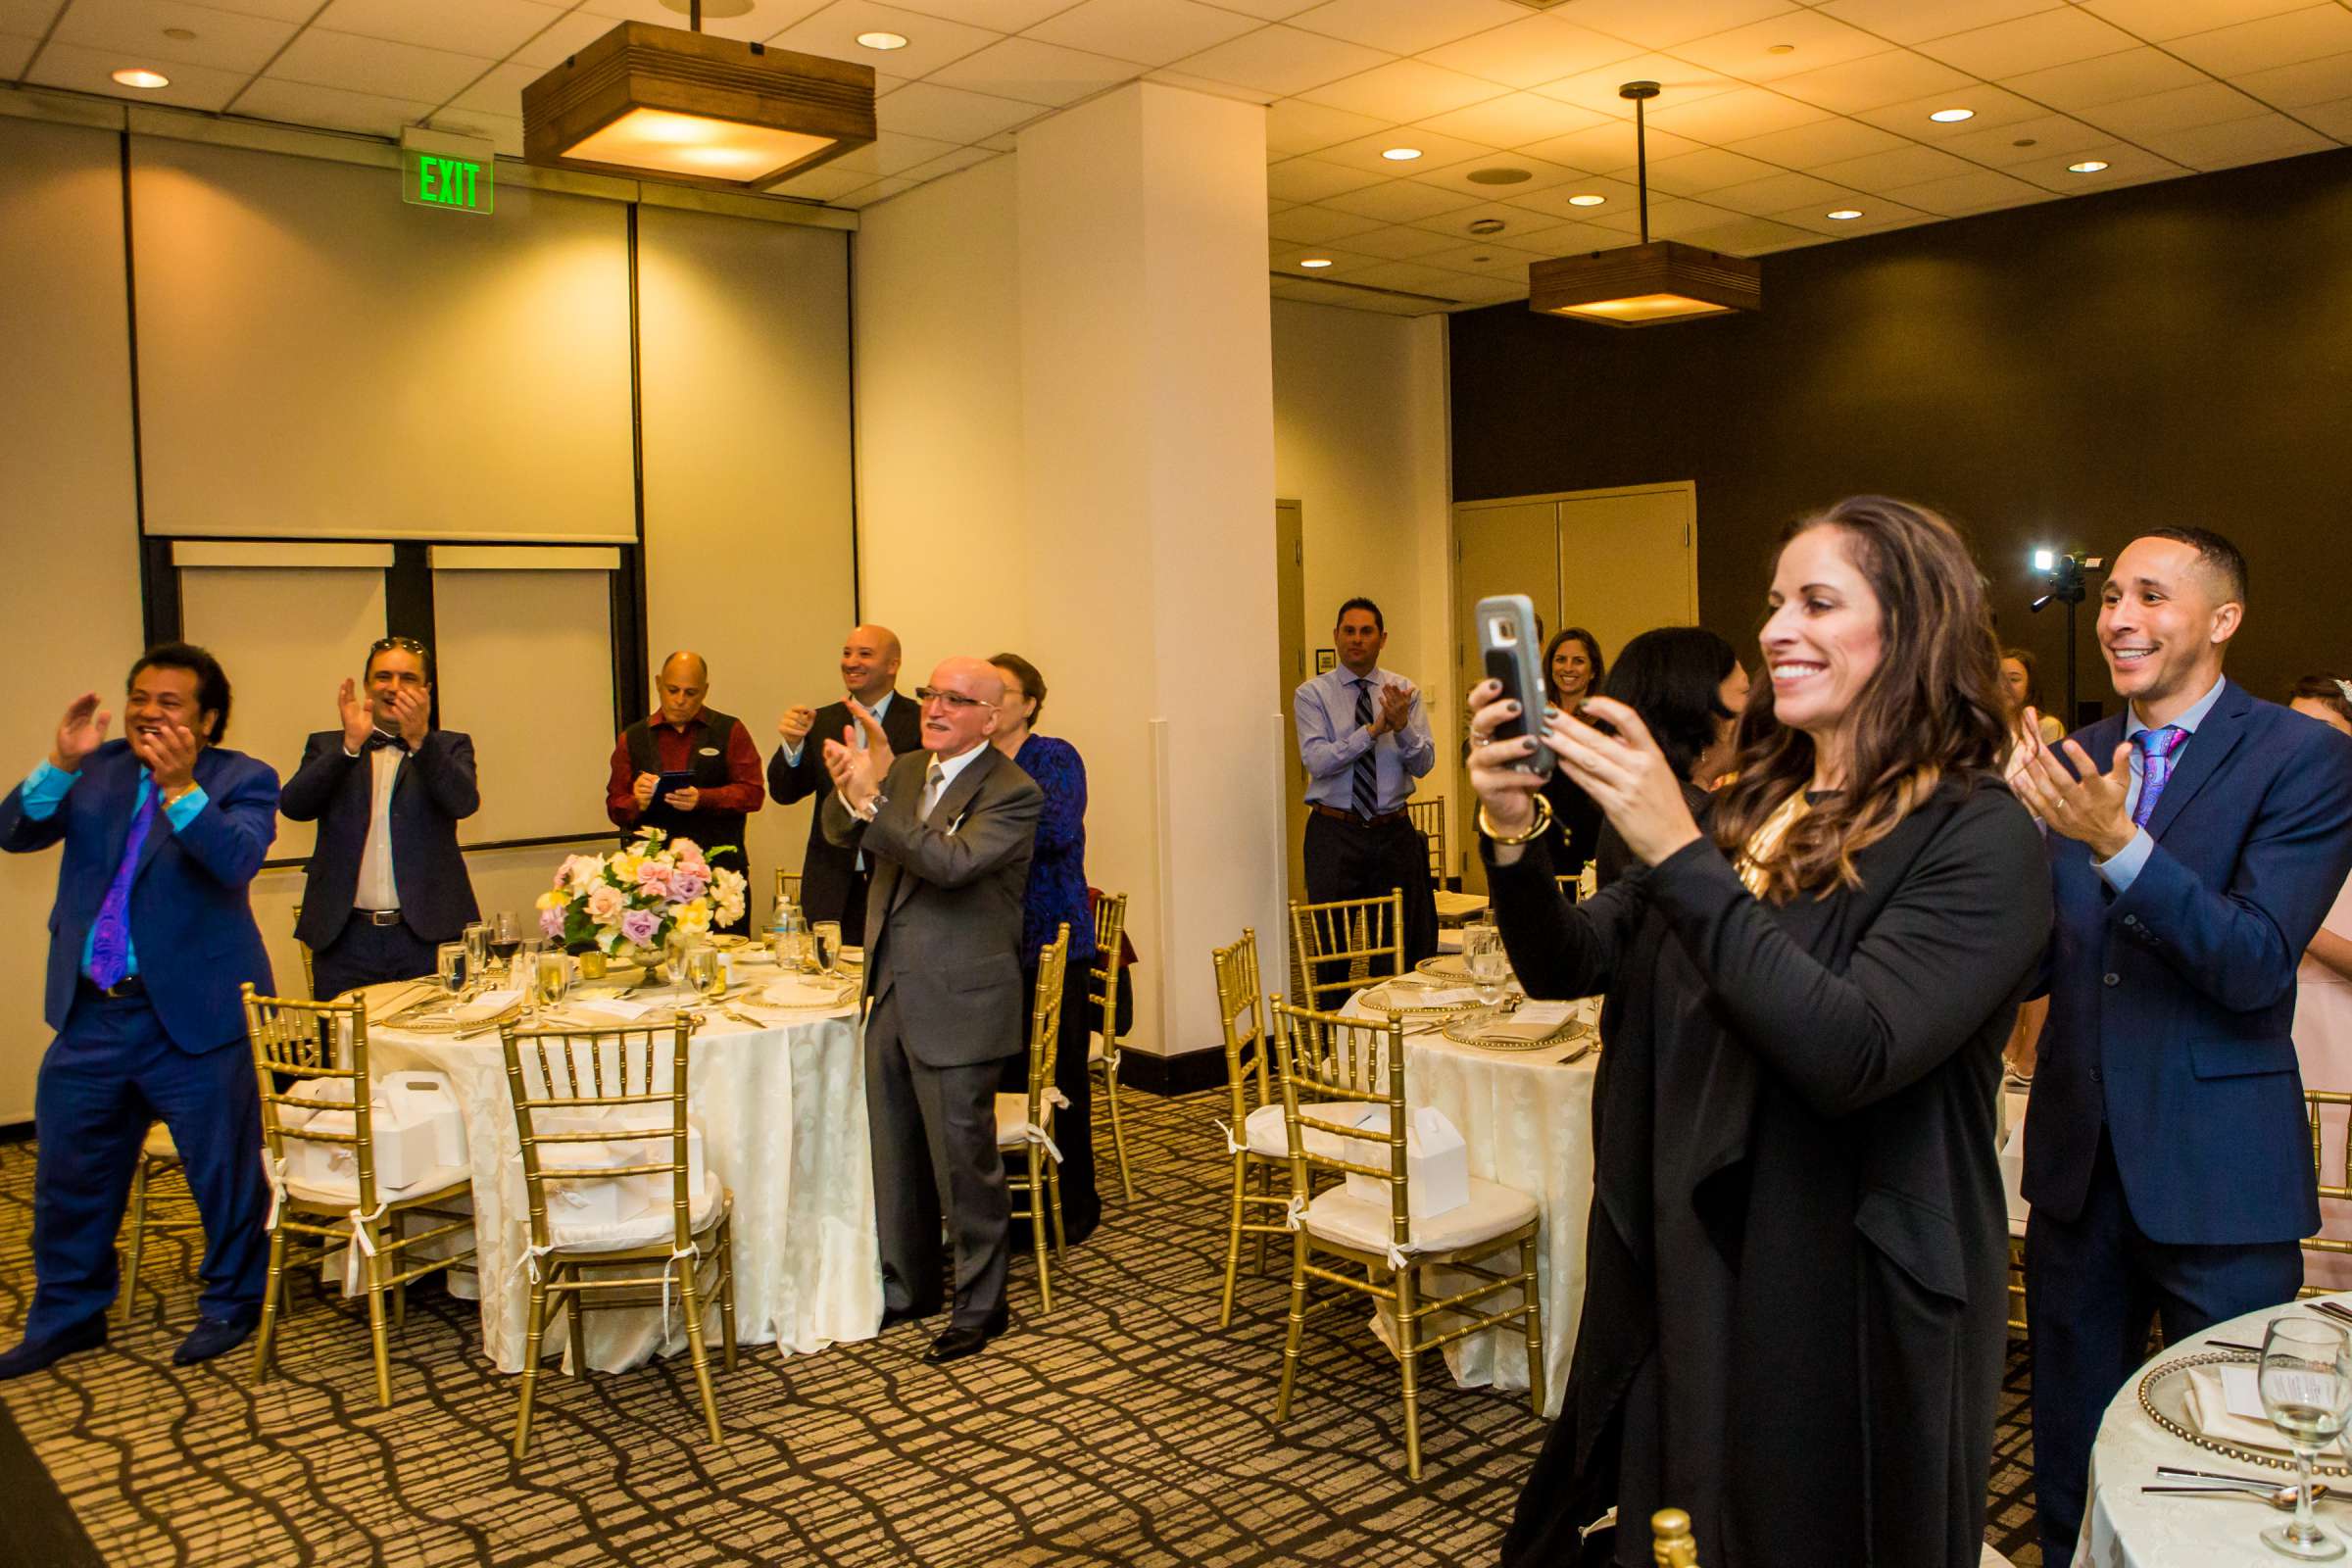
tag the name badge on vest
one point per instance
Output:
(709, 751)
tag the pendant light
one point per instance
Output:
(697, 110)
(1650, 284)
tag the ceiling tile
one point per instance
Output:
(1749, 52)
(2240, 142)
(2030, 43)
(1317, 225)
(2211, 103)
(1035, 73)
(1670, 218)
(1294, 126)
(1899, 166)
(1437, 152)
(1397, 242)
(754, 26)
(133, 30)
(70, 65)
(1491, 290)
(1410, 277)
(1751, 236)
(1268, 9)
(14, 53)
(2127, 164)
(1531, 52)
(1209, 88)
(950, 114)
(488, 28)
(1914, 21)
(1878, 212)
(931, 42)
(890, 153)
(825, 183)
(345, 60)
(1309, 179)
(1734, 115)
(1400, 201)
(2315, 81)
(274, 10)
(2046, 137)
(1154, 32)
(1823, 142)
(1993, 107)
(1515, 120)
(1404, 90)
(2159, 19)
(505, 132)
(300, 103)
(1893, 77)
(1541, 176)
(2333, 120)
(1597, 90)
(2312, 34)
(1775, 193)
(1282, 60)
(1408, 26)
(568, 36)
(1653, 26)
(1342, 261)
(997, 16)
(2105, 80)
(31, 18)
(1708, 168)
(950, 163)
(1561, 239)
(1609, 147)
(499, 91)
(1556, 207)
(1484, 258)
(881, 191)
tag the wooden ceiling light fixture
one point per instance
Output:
(1649, 283)
(697, 110)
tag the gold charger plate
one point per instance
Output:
(2164, 1400)
(1395, 1001)
(843, 994)
(1470, 1031)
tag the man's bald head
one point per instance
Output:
(684, 681)
(962, 711)
(870, 663)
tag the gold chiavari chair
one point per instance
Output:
(1103, 1046)
(2315, 1101)
(1347, 1062)
(1429, 815)
(310, 976)
(1336, 947)
(321, 1048)
(1025, 1121)
(604, 1093)
(1259, 1147)
(1670, 1543)
(159, 1158)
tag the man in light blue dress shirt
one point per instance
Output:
(1363, 737)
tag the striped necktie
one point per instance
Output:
(2156, 749)
(934, 782)
(1367, 765)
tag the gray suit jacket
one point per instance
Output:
(942, 918)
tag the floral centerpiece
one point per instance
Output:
(626, 903)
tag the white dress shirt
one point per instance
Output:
(377, 888)
(943, 773)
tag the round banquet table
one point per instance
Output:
(1526, 1120)
(2125, 1528)
(782, 1111)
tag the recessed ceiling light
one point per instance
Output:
(2089, 166)
(180, 34)
(1781, 49)
(1844, 215)
(1588, 199)
(141, 76)
(1486, 225)
(1500, 174)
(883, 40)
(1317, 261)
(1401, 155)
(1947, 116)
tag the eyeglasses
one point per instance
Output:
(955, 699)
(408, 642)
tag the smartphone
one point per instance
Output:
(1508, 647)
(670, 783)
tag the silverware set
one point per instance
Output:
(2212, 1483)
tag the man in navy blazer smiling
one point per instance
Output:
(150, 937)
(2167, 1156)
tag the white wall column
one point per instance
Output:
(1147, 450)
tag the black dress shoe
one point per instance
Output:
(214, 1336)
(954, 1346)
(32, 1356)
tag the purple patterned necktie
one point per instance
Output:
(110, 937)
(2156, 749)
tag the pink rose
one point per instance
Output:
(652, 877)
(604, 903)
(551, 921)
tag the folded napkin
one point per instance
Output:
(389, 997)
(1432, 997)
(611, 1007)
(486, 1007)
(2224, 1402)
(807, 991)
(1536, 1021)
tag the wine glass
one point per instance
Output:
(477, 951)
(1489, 967)
(450, 962)
(2306, 1380)
(506, 938)
(703, 974)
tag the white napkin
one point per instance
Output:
(807, 991)
(486, 1007)
(2224, 1402)
(395, 996)
(612, 1006)
(1434, 997)
(1536, 1021)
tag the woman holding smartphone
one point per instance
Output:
(1793, 1319)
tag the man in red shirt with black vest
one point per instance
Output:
(720, 789)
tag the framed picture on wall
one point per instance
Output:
(1327, 660)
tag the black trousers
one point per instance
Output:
(853, 907)
(1073, 1124)
(1354, 860)
(934, 1133)
(365, 953)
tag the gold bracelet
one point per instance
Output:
(1534, 832)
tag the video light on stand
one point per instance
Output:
(2062, 575)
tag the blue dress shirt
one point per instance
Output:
(45, 789)
(2124, 869)
(1330, 740)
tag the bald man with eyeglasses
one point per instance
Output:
(386, 882)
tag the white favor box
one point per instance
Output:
(1437, 1161)
(413, 1120)
(591, 1201)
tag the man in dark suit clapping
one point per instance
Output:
(387, 881)
(2196, 841)
(833, 879)
(950, 830)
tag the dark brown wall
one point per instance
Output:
(2066, 373)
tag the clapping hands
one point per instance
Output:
(80, 733)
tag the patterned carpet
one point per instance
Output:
(1122, 1429)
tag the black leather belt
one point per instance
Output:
(1333, 811)
(131, 985)
(378, 916)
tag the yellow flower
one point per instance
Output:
(624, 868)
(694, 918)
(552, 900)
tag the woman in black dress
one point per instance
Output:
(1573, 671)
(1794, 1318)
(1686, 684)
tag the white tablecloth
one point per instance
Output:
(1526, 1119)
(782, 1110)
(2124, 1528)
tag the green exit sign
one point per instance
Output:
(438, 179)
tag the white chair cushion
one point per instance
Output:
(646, 1228)
(1492, 1210)
(1011, 1112)
(1266, 1134)
(342, 1189)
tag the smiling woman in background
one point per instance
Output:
(1796, 1267)
(1573, 669)
(2020, 678)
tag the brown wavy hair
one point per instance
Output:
(1933, 710)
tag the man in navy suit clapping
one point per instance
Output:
(150, 937)
(2196, 841)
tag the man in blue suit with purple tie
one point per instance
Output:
(150, 937)
(2196, 841)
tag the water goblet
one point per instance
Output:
(2306, 1378)
(703, 975)
(551, 978)
(827, 937)
(451, 963)
(1489, 967)
(478, 952)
